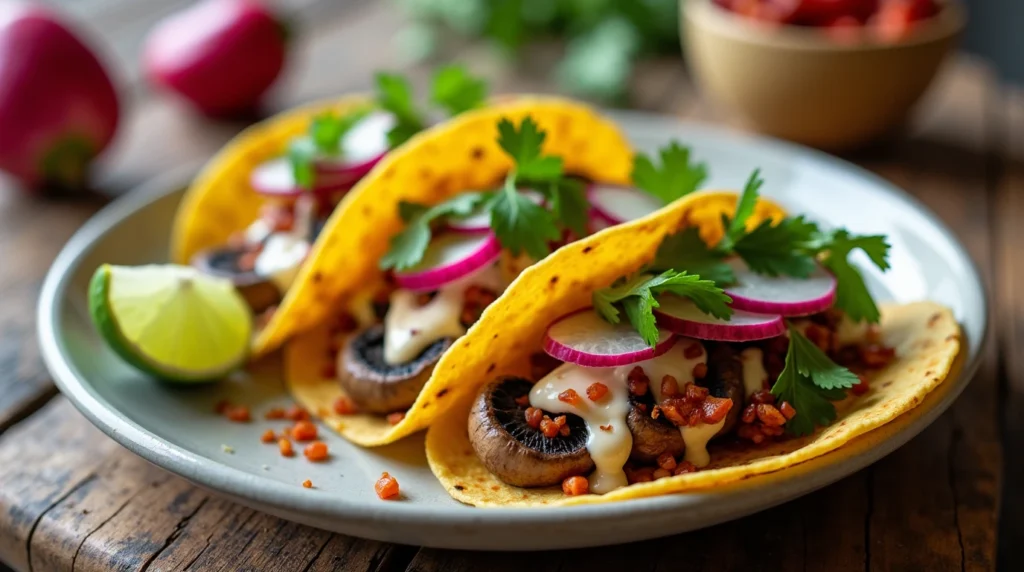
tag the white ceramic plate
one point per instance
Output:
(176, 428)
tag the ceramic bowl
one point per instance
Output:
(803, 85)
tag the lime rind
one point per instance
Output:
(170, 321)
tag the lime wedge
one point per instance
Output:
(171, 322)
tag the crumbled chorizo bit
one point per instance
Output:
(763, 396)
(749, 413)
(329, 371)
(533, 417)
(606, 427)
(304, 431)
(564, 430)
(574, 486)
(297, 413)
(671, 410)
(787, 410)
(641, 475)
(694, 392)
(876, 356)
(386, 487)
(684, 467)
(237, 413)
(551, 428)
(396, 417)
(700, 371)
(666, 461)
(268, 436)
(477, 299)
(819, 336)
(274, 413)
(345, 323)
(669, 386)
(862, 387)
(523, 399)
(637, 381)
(345, 406)
(307, 484)
(661, 473)
(714, 409)
(316, 451)
(770, 415)
(285, 446)
(596, 390)
(773, 431)
(571, 397)
(693, 351)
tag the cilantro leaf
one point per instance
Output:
(687, 251)
(737, 227)
(407, 247)
(852, 295)
(523, 145)
(520, 224)
(810, 381)
(394, 95)
(637, 296)
(570, 206)
(302, 153)
(777, 249)
(455, 90)
(677, 177)
(328, 129)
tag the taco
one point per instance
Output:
(680, 351)
(436, 233)
(254, 212)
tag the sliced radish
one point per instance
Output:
(480, 220)
(616, 205)
(449, 257)
(276, 178)
(683, 317)
(361, 148)
(583, 338)
(783, 295)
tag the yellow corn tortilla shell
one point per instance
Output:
(926, 338)
(221, 201)
(459, 155)
(510, 328)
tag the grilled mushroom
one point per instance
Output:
(725, 379)
(259, 292)
(652, 437)
(377, 386)
(517, 453)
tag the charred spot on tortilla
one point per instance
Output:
(517, 452)
(377, 386)
(477, 153)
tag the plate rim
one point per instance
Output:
(263, 493)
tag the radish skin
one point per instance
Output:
(683, 317)
(450, 257)
(784, 295)
(585, 339)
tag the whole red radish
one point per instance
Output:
(58, 107)
(823, 12)
(221, 55)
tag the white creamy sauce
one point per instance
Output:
(754, 374)
(696, 439)
(283, 252)
(410, 328)
(258, 231)
(608, 447)
(368, 138)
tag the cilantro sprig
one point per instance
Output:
(453, 89)
(676, 177)
(323, 138)
(810, 381)
(637, 297)
(518, 221)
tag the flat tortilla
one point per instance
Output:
(501, 341)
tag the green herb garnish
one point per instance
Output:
(409, 246)
(675, 178)
(455, 90)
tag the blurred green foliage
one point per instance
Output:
(603, 38)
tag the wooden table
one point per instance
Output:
(70, 498)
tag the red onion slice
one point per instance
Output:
(449, 257)
(583, 338)
(784, 295)
(616, 205)
(683, 317)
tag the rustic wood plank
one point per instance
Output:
(1010, 320)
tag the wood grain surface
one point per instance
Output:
(71, 499)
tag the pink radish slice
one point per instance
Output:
(361, 148)
(683, 317)
(784, 295)
(449, 257)
(584, 338)
(620, 204)
(277, 179)
(480, 221)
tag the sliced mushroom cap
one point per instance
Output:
(517, 453)
(259, 292)
(725, 379)
(377, 386)
(652, 437)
